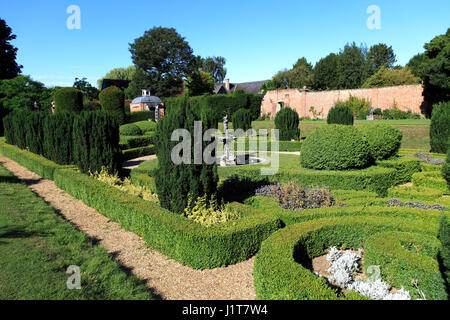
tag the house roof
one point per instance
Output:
(249, 87)
(122, 84)
(147, 99)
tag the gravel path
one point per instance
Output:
(165, 277)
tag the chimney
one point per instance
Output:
(227, 84)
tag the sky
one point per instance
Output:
(257, 38)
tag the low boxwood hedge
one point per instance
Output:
(375, 179)
(431, 179)
(138, 152)
(146, 126)
(404, 256)
(282, 266)
(174, 235)
(288, 217)
(130, 142)
(415, 193)
(404, 167)
(40, 165)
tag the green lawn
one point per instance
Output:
(37, 246)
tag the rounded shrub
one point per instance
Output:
(340, 114)
(68, 100)
(384, 140)
(130, 130)
(146, 126)
(287, 121)
(439, 130)
(242, 119)
(335, 147)
(112, 100)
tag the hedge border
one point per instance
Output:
(278, 273)
(138, 152)
(179, 238)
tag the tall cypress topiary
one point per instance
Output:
(242, 119)
(287, 122)
(96, 142)
(176, 182)
(439, 130)
(68, 100)
(57, 132)
(340, 114)
(112, 100)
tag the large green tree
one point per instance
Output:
(118, 74)
(380, 55)
(89, 92)
(22, 92)
(199, 83)
(415, 64)
(165, 59)
(353, 67)
(385, 77)
(435, 71)
(214, 66)
(325, 76)
(299, 76)
(8, 65)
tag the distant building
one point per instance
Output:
(122, 84)
(147, 102)
(249, 87)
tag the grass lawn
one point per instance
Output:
(37, 246)
(416, 133)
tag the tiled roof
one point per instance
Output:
(249, 87)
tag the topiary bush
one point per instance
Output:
(384, 140)
(146, 126)
(439, 130)
(130, 130)
(287, 122)
(340, 114)
(112, 99)
(96, 142)
(242, 119)
(176, 182)
(68, 100)
(335, 147)
(57, 137)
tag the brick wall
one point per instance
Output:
(406, 97)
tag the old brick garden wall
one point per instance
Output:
(407, 97)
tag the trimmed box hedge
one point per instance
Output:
(40, 165)
(431, 179)
(130, 142)
(138, 152)
(179, 238)
(375, 179)
(282, 266)
(404, 167)
(288, 217)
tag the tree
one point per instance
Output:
(22, 92)
(8, 65)
(165, 59)
(415, 64)
(118, 74)
(165, 87)
(391, 77)
(86, 88)
(325, 73)
(214, 66)
(176, 182)
(298, 77)
(199, 83)
(274, 84)
(381, 55)
(435, 72)
(353, 67)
